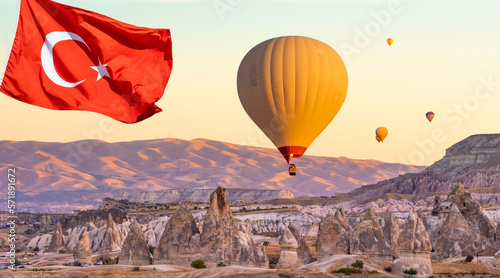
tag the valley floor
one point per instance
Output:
(51, 265)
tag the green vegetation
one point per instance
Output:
(136, 268)
(469, 258)
(61, 251)
(410, 271)
(77, 263)
(265, 243)
(151, 249)
(36, 249)
(221, 264)
(347, 271)
(358, 264)
(198, 264)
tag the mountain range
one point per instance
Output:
(78, 175)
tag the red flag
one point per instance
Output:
(66, 58)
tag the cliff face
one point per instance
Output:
(474, 161)
(200, 195)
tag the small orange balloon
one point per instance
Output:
(390, 41)
(381, 133)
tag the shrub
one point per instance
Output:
(347, 271)
(373, 272)
(388, 269)
(357, 264)
(151, 249)
(221, 264)
(265, 243)
(410, 271)
(36, 249)
(273, 261)
(61, 251)
(469, 258)
(77, 263)
(198, 264)
(136, 268)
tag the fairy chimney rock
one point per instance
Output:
(180, 239)
(288, 244)
(57, 241)
(135, 250)
(415, 245)
(82, 251)
(333, 235)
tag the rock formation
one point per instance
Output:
(97, 217)
(288, 244)
(135, 250)
(221, 241)
(82, 251)
(333, 235)
(482, 226)
(455, 238)
(57, 241)
(368, 238)
(180, 240)
(110, 241)
(303, 251)
(391, 233)
(415, 245)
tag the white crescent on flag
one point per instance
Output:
(48, 59)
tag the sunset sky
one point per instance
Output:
(445, 58)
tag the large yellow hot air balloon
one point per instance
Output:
(429, 115)
(381, 133)
(292, 87)
(390, 41)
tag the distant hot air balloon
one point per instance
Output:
(429, 115)
(378, 139)
(381, 133)
(292, 87)
(390, 41)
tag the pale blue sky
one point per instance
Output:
(441, 51)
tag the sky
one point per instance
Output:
(445, 58)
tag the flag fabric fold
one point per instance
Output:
(67, 58)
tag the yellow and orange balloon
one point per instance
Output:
(390, 41)
(381, 133)
(292, 87)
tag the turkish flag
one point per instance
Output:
(66, 58)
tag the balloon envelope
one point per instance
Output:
(292, 87)
(381, 133)
(390, 41)
(429, 115)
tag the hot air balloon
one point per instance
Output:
(292, 87)
(381, 133)
(390, 41)
(378, 139)
(429, 115)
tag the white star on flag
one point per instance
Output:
(101, 70)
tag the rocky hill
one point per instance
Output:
(474, 161)
(78, 175)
